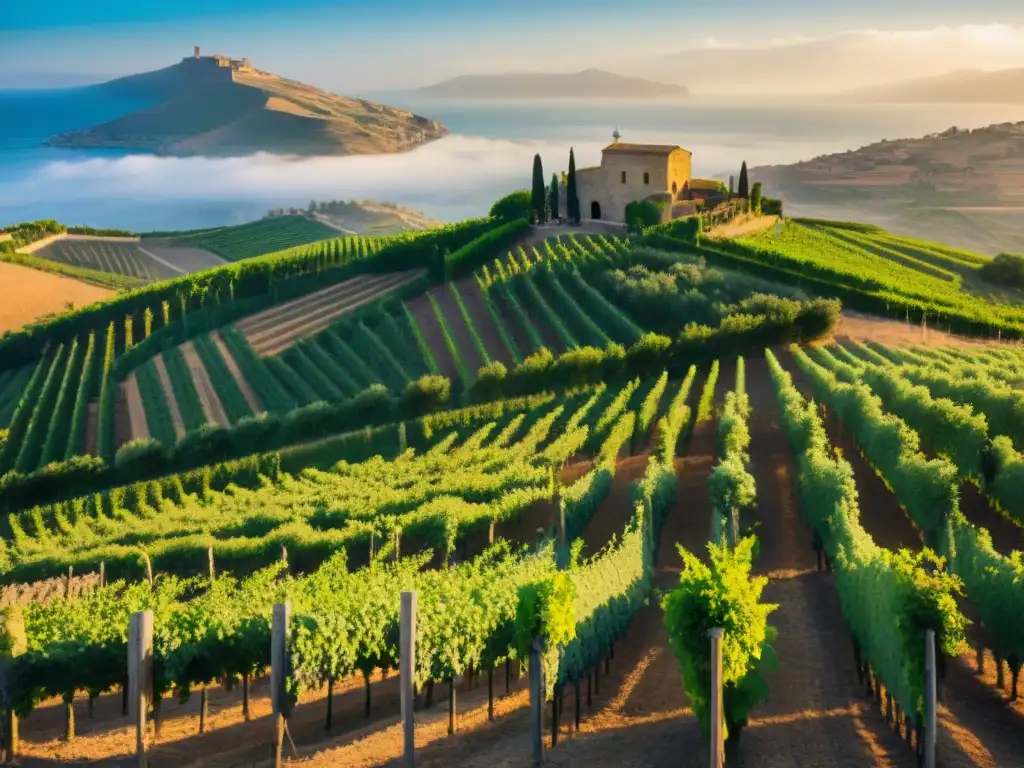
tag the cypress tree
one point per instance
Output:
(572, 200)
(538, 196)
(553, 197)
(744, 190)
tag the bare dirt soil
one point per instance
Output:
(853, 325)
(474, 300)
(516, 331)
(138, 428)
(27, 295)
(426, 320)
(165, 382)
(458, 329)
(976, 726)
(232, 364)
(817, 713)
(212, 406)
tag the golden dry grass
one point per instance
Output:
(26, 295)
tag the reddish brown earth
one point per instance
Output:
(976, 726)
(425, 318)
(519, 335)
(547, 333)
(458, 329)
(474, 301)
(817, 713)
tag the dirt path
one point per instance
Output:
(165, 382)
(816, 714)
(232, 364)
(426, 320)
(136, 412)
(976, 727)
(641, 716)
(888, 529)
(458, 329)
(212, 406)
(474, 301)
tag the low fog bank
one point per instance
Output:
(451, 179)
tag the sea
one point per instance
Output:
(489, 152)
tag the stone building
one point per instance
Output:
(221, 62)
(628, 172)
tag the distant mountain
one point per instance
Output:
(588, 84)
(219, 106)
(963, 187)
(825, 65)
(1005, 86)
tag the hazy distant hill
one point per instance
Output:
(588, 84)
(965, 187)
(1004, 86)
(202, 108)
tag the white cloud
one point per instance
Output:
(451, 179)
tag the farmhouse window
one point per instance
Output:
(623, 177)
(647, 178)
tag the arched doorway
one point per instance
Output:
(595, 210)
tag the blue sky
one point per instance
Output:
(360, 45)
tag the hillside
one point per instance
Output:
(363, 217)
(964, 187)
(587, 84)
(201, 107)
(1005, 86)
(538, 442)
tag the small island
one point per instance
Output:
(218, 106)
(588, 84)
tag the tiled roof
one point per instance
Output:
(642, 149)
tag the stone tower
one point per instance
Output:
(197, 51)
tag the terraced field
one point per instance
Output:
(122, 258)
(244, 241)
(526, 446)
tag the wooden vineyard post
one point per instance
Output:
(452, 724)
(278, 676)
(213, 571)
(140, 678)
(536, 703)
(490, 691)
(406, 669)
(717, 737)
(929, 699)
(71, 578)
(103, 574)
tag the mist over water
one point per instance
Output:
(489, 153)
